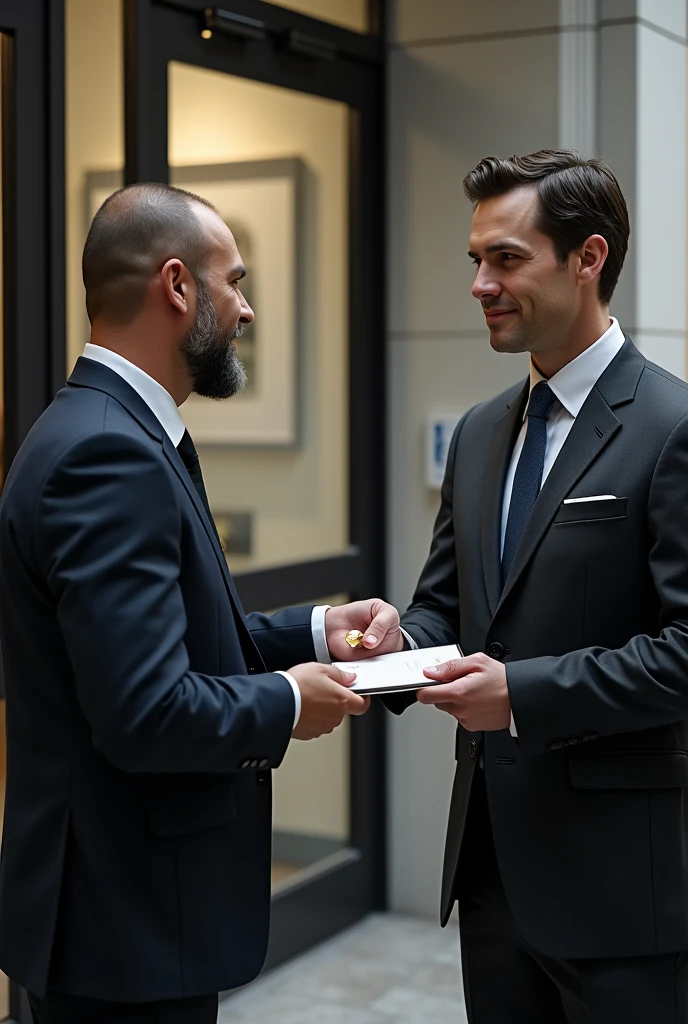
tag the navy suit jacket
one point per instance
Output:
(143, 715)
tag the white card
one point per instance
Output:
(392, 673)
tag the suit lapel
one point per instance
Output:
(88, 373)
(504, 433)
(593, 429)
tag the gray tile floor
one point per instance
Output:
(390, 969)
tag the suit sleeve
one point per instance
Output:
(432, 618)
(108, 541)
(284, 639)
(642, 684)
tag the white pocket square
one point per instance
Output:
(594, 497)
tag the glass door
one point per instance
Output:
(275, 117)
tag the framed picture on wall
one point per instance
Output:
(259, 202)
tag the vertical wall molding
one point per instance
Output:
(578, 75)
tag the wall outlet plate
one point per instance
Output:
(438, 434)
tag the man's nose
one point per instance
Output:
(247, 315)
(485, 285)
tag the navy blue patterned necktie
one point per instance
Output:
(528, 476)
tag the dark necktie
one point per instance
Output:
(189, 457)
(528, 476)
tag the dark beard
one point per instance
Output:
(215, 368)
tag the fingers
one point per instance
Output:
(385, 620)
(450, 693)
(338, 675)
(456, 668)
(357, 705)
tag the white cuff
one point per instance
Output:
(322, 653)
(412, 645)
(297, 695)
(512, 727)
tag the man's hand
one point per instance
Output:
(325, 699)
(476, 692)
(377, 620)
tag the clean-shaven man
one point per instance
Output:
(559, 562)
(144, 709)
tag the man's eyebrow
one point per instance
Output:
(504, 245)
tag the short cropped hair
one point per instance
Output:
(133, 234)
(577, 198)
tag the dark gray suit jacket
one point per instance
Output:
(589, 807)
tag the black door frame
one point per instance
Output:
(345, 66)
(33, 230)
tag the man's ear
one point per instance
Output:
(592, 256)
(179, 287)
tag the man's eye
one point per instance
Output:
(508, 256)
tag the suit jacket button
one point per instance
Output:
(572, 740)
(245, 764)
(495, 651)
(254, 764)
(264, 763)
(472, 748)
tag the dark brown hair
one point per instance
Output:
(133, 234)
(577, 197)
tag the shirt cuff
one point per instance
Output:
(297, 695)
(512, 727)
(322, 653)
(412, 645)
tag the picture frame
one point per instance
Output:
(259, 200)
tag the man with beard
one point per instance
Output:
(145, 710)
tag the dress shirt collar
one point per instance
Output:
(574, 382)
(158, 400)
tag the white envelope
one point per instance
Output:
(394, 673)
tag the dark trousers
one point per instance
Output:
(508, 982)
(55, 1008)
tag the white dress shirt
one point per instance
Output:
(164, 407)
(571, 386)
